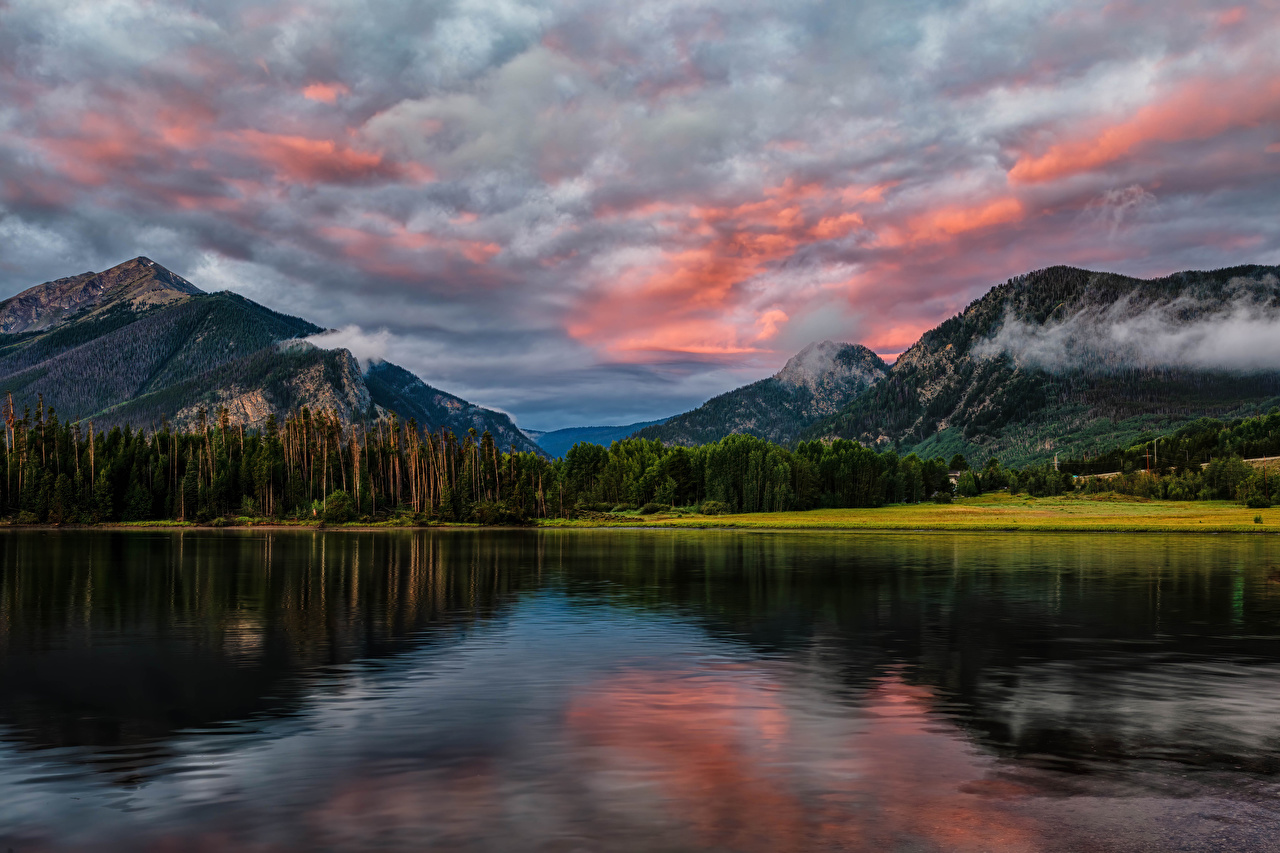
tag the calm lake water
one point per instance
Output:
(638, 691)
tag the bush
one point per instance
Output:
(1258, 502)
(1257, 519)
(942, 497)
(499, 512)
(623, 508)
(219, 522)
(650, 508)
(339, 508)
(713, 508)
(27, 517)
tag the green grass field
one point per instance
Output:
(1106, 512)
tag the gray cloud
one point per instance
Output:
(589, 212)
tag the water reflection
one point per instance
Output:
(637, 691)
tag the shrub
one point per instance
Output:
(1258, 502)
(27, 517)
(1257, 519)
(339, 508)
(650, 508)
(623, 508)
(713, 508)
(942, 497)
(499, 512)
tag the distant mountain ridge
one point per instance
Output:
(557, 442)
(139, 344)
(1065, 360)
(815, 382)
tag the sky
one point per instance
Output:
(601, 212)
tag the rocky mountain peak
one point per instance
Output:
(825, 363)
(139, 283)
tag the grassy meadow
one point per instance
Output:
(1077, 512)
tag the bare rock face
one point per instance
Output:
(140, 283)
(345, 393)
(330, 383)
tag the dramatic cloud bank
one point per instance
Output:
(1242, 336)
(607, 211)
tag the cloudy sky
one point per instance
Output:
(586, 212)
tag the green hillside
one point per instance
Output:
(1073, 384)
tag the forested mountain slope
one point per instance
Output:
(817, 381)
(138, 344)
(1069, 361)
(396, 389)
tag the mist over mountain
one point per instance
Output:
(1064, 360)
(1239, 331)
(138, 344)
(816, 382)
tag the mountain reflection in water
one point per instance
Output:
(627, 690)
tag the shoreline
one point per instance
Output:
(988, 513)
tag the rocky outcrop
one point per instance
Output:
(139, 284)
(325, 380)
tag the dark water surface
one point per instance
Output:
(638, 691)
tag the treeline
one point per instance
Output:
(1202, 461)
(312, 466)
(1189, 448)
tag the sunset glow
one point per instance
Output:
(682, 196)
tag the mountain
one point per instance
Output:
(137, 284)
(816, 382)
(557, 442)
(1071, 361)
(139, 344)
(397, 390)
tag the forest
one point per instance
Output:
(311, 466)
(1202, 461)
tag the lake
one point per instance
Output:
(618, 690)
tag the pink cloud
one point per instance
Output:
(1199, 109)
(325, 92)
